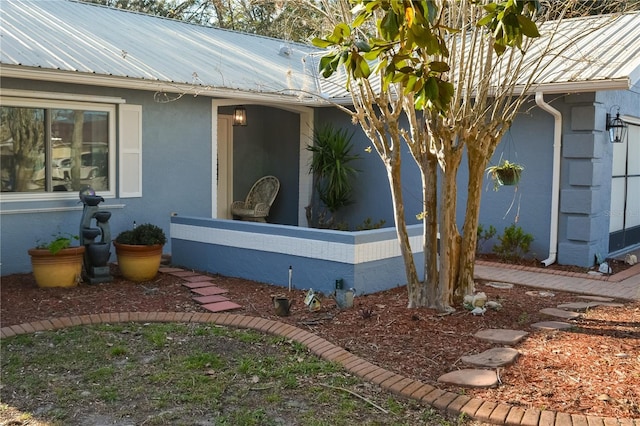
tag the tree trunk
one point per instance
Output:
(477, 163)
(413, 283)
(449, 235)
(430, 237)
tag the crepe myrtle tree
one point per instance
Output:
(456, 72)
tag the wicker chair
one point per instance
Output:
(258, 202)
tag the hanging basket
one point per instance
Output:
(505, 173)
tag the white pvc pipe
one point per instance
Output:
(555, 185)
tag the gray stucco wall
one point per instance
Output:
(176, 167)
(372, 195)
(177, 173)
(585, 177)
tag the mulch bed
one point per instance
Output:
(593, 369)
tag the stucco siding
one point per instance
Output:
(176, 167)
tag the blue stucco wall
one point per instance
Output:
(177, 174)
(530, 142)
(372, 195)
(585, 177)
(176, 167)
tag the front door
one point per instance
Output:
(624, 224)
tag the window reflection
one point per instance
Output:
(44, 150)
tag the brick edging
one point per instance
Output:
(449, 402)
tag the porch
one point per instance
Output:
(367, 261)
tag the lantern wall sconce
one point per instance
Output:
(616, 127)
(240, 116)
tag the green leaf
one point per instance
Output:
(322, 43)
(439, 66)
(363, 46)
(485, 21)
(528, 27)
(389, 26)
(431, 88)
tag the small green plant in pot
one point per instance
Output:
(505, 173)
(56, 263)
(139, 251)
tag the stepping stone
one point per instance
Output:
(540, 293)
(198, 284)
(471, 378)
(560, 313)
(611, 304)
(196, 278)
(221, 306)
(500, 285)
(597, 298)
(501, 336)
(492, 358)
(579, 306)
(209, 291)
(167, 270)
(551, 325)
(214, 298)
(183, 273)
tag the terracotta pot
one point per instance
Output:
(63, 269)
(138, 263)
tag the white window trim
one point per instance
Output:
(34, 102)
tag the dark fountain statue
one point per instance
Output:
(96, 238)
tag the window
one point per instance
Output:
(52, 149)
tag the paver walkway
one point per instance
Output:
(450, 402)
(625, 285)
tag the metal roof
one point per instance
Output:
(604, 54)
(67, 40)
(83, 38)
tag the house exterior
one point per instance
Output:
(140, 108)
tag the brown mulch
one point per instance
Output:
(594, 369)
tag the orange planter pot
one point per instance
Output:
(138, 263)
(63, 269)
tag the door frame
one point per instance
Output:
(224, 167)
(622, 233)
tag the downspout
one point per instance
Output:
(555, 186)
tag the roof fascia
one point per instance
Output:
(547, 88)
(12, 71)
(622, 83)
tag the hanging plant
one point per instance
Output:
(505, 173)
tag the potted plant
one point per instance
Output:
(56, 263)
(505, 173)
(139, 251)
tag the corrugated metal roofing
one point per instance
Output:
(90, 40)
(87, 38)
(604, 53)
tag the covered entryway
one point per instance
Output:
(624, 224)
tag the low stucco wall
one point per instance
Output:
(367, 261)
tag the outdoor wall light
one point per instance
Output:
(616, 127)
(240, 116)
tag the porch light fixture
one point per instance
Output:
(616, 127)
(240, 116)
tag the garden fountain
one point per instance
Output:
(96, 239)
